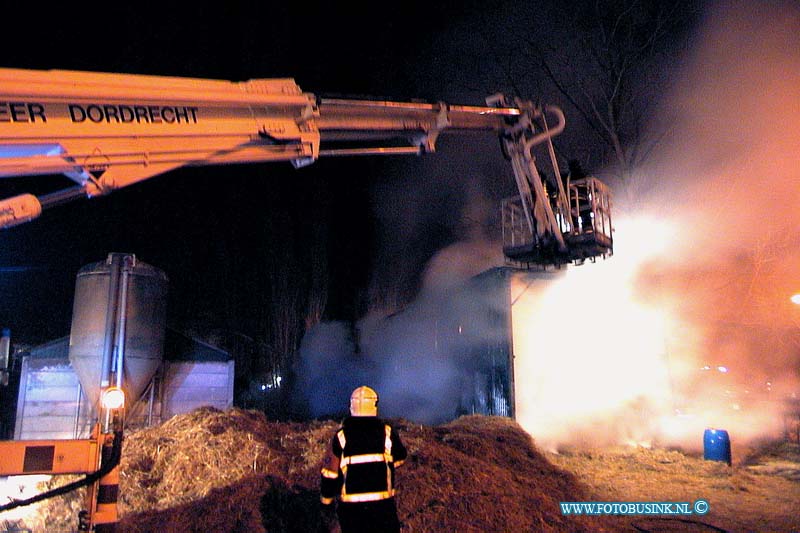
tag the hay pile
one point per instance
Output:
(741, 498)
(56, 515)
(778, 458)
(482, 474)
(210, 470)
(237, 471)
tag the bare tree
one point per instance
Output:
(297, 280)
(317, 297)
(611, 69)
(608, 60)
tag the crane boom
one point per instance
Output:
(107, 131)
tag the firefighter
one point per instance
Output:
(358, 470)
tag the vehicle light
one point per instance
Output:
(113, 398)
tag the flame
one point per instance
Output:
(598, 361)
(615, 351)
(587, 350)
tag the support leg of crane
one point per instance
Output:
(105, 517)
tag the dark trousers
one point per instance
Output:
(368, 517)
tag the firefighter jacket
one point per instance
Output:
(360, 463)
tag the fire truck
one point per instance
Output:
(106, 131)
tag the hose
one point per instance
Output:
(114, 458)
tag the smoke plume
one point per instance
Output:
(689, 325)
(418, 359)
(414, 354)
(727, 181)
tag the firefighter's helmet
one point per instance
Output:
(364, 402)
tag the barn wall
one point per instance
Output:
(51, 405)
(484, 310)
(189, 385)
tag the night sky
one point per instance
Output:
(222, 233)
(219, 232)
(238, 242)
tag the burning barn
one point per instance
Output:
(481, 315)
(448, 354)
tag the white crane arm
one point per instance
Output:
(107, 131)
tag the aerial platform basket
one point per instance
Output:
(587, 230)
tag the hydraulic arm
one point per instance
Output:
(108, 131)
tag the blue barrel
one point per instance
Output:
(717, 445)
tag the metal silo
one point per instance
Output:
(118, 322)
